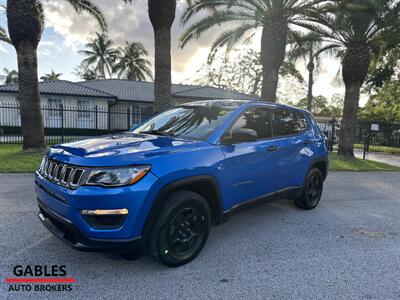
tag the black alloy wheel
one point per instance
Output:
(312, 190)
(185, 233)
(181, 229)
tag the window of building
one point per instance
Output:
(84, 107)
(55, 107)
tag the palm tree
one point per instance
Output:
(100, 55)
(11, 76)
(242, 18)
(133, 63)
(25, 25)
(307, 47)
(162, 16)
(358, 30)
(51, 76)
(3, 36)
(86, 72)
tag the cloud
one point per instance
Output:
(44, 52)
(78, 28)
(126, 23)
(2, 49)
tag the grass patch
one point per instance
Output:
(13, 160)
(338, 163)
(384, 149)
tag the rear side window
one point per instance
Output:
(257, 119)
(288, 122)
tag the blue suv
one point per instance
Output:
(159, 188)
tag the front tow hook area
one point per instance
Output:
(52, 228)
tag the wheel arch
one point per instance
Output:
(321, 164)
(205, 185)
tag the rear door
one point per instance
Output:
(294, 140)
(249, 169)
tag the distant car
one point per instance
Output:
(160, 187)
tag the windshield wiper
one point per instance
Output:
(157, 132)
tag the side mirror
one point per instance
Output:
(240, 135)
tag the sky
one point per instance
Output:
(66, 33)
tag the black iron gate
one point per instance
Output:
(378, 137)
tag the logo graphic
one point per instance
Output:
(40, 278)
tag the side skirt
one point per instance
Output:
(291, 192)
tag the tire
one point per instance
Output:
(181, 228)
(312, 190)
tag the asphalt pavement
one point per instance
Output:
(348, 248)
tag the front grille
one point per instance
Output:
(66, 175)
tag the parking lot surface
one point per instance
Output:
(348, 248)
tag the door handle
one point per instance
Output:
(307, 142)
(272, 148)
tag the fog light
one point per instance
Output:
(105, 212)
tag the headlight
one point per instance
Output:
(117, 177)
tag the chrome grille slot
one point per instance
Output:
(50, 169)
(46, 165)
(76, 177)
(62, 174)
(67, 175)
(58, 172)
(53, 170)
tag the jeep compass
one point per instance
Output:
(160, 187)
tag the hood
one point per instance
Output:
(120, 149)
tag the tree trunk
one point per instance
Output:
(273, 48)
(162, 16)
(162, 78)
(25, 25)
(28, 93)
(349, 120)
(355, 66)
(255, 85)
(310, 68)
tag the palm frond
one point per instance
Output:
(133, 63)
(89, 7)
(202, 5)
(331, 49)
(208, 22)
(4, 36)
(303, 45)
(229, 38)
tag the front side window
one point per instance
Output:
(256, 119)
(192, 121)
(288, 122)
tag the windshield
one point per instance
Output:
(194, 121)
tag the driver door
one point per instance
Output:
(250, 168)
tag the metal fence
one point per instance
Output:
(67, 123)
(331, 128)
(378, 137)
(370, 136)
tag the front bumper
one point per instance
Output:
(61, 213)
(63, 229)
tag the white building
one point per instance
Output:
(100, 104)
